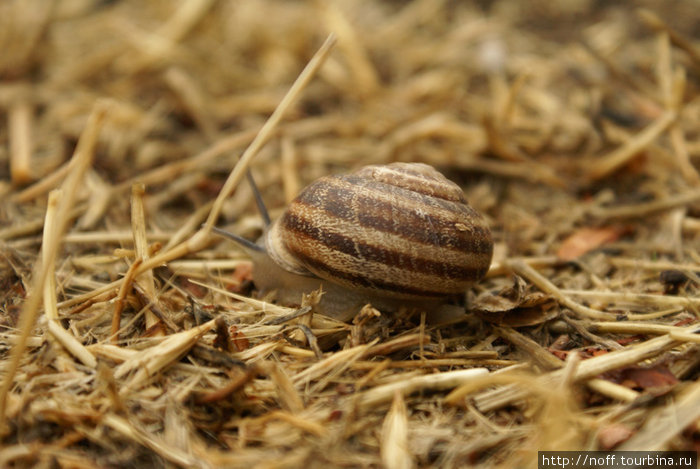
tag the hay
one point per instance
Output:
(127, 129)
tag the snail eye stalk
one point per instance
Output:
(245, 243)
(258, 199)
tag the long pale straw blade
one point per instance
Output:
(266, 132)
(200, 239)
(50, 308)
(83, 159)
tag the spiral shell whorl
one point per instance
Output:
(401, 230)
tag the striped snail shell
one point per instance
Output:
(401, 230)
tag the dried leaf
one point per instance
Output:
(513, 306)
(612, 435)
(242, 276)
(587, 239)
(238, 339)
(657, 380)
(222, 340)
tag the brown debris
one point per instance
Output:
(129, 336)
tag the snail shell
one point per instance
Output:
(400, 231)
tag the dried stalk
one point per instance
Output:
(82, 159)
(138, 227)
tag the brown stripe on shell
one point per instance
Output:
(425, 259)
(380, 208)
(390, 280)
(392, 289)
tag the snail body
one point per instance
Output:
(381, 235)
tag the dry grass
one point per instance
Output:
(130, 336)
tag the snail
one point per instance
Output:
(386, 234)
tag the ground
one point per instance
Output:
(131, 336)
